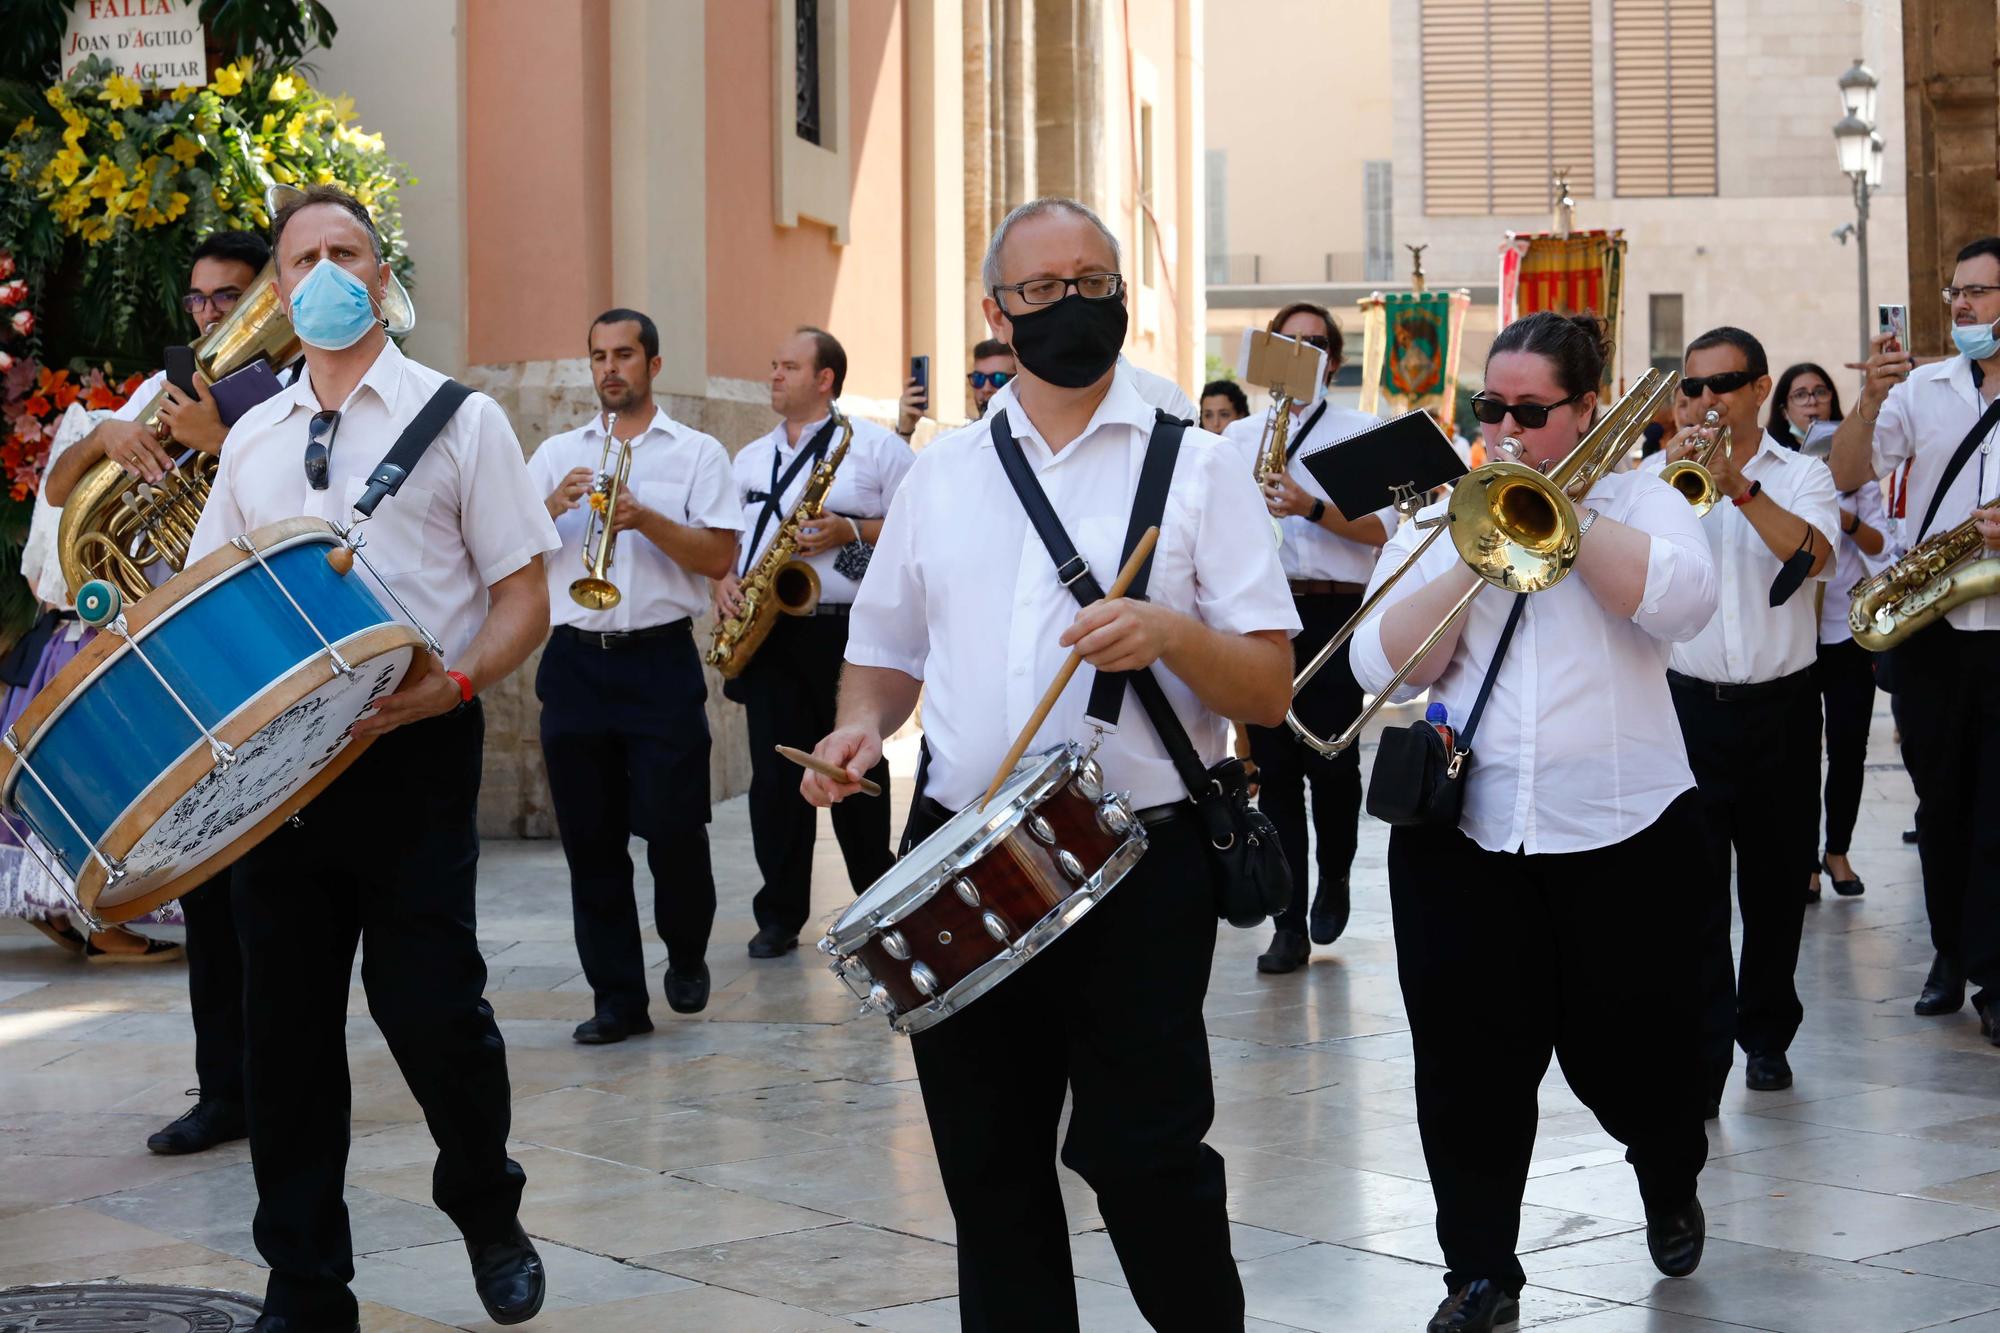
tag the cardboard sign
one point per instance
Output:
(156, 42)
(1285, 366)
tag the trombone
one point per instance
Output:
(1690, 476)
(1516, 527)
(600, 544)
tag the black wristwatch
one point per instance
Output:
(1317, 512)
(1850, 531)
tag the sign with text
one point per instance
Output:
(157, 42)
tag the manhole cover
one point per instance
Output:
(91, 1307)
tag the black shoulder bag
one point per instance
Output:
(1419, 775)
(1250, 876)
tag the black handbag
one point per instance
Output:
(1250, 877)
(1419, 775)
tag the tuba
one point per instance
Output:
(1516, 527)
(595, 589)
(1690, 476)
(780, 581)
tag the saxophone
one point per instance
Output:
(780, 581)
(1938, 574)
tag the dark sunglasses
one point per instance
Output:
(1528, 416)
(1729, 381)
(1318, 340)
(319, 445)
(979, 379)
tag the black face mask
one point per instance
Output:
(1071, 343)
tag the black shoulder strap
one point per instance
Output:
(1492, 671)
(1305, 428)
(814, 448)
(417, 437)
(1987, 420)
(1148, 508)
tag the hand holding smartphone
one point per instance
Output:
(1894, 322)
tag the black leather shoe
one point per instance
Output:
(1674, 1239)
(1989, 1022)
(1767, 1073)
(206, 1124)
(603, 1031)
(687, 992)
(1944, 989)
(1329, 911)
(508, 1277)
(1288, 953)
(1909, 837)
(1475, 1307)
(285, 1323)
(1846, 888)
(771, 942)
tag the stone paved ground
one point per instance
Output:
(766, 1166)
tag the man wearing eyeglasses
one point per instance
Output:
(1936, 425)
(225, 264)
(1748, 706)
(386, 857)
(1327, 562)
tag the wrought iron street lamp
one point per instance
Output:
(1860, 151)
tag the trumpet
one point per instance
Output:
(600, 544)
(1690, 476)
(1515, 526)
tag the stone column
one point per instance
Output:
(1952, 101)
(937, 152)
(976, 98)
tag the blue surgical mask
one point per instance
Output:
(331, 309)
(1975, 340)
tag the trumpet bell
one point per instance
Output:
(595, 594)
(1695, 483)
(1513, 526)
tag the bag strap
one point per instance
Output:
(1305, 429)
(411, 445)
(815, 447)
(1464, 746)
(1987, 420)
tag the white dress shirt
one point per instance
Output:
(1922, 422)
(865, 483)
(964, 597)
(676, 471)
(1852, 564)
(1579, 746)
(1749, 640)
(468, 516)
(142, 397)
(1307, 550)
(1158, 391)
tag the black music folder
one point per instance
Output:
(1406, 457)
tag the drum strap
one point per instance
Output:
(1305, 429)
(410, 446)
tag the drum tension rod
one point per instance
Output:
(220, 750)
(113, 870)
(351, 535)
(340, 664)
(59, 878)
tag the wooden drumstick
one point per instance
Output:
(1054, 692)
(826, 770)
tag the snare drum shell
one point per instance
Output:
(1020, 881)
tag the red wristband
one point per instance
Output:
(464, 685)
(1756, 489)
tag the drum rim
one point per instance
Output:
(142, 619)
(1060, 763)
(308, 676)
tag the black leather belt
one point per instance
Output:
(625, 637)
(1726, 692)
(1324, 588)
(1155, 815)
(832, 608)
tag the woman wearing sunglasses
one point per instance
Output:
(1537, 924)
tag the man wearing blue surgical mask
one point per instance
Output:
(1941, 420)
(387, 854)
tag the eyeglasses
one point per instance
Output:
(1528, 416)
(1974, 292)
(221, 302)
(979, 379)
(1318, 340)
(319, 445)
(1729, 381)
(1821, 394)
(1047, 291)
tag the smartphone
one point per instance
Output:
(180, 369)
(920, 371)
(1894, 320)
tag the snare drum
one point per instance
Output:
(202, 717)
(987, 892)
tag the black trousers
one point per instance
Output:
(1950, 716)
(215, 990)
(1286, 765)
(1111, 1014)
(1845, 674)
(386, 856)
(1505, 957)
(1756, 762)
(625, 738)
(788, 692)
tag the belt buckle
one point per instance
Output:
(612, 639)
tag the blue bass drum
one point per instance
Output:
(203, 717)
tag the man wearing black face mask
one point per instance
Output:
(964, 600)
